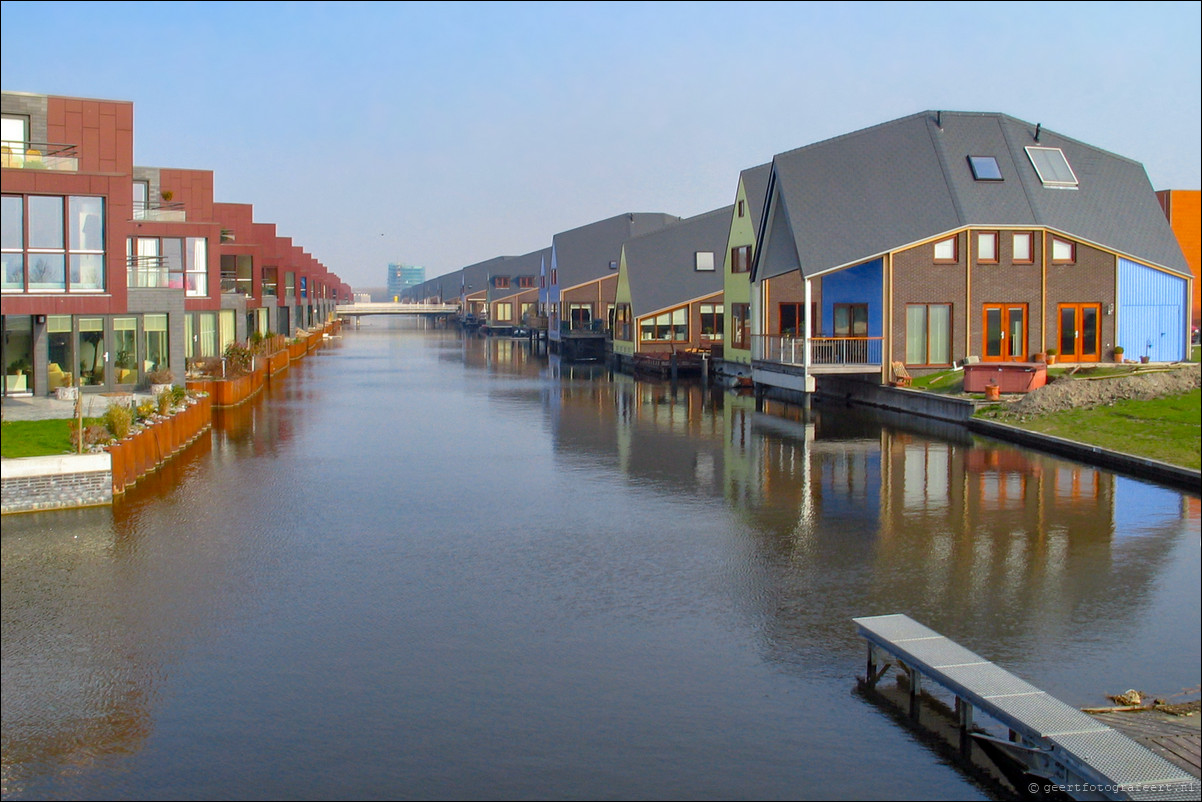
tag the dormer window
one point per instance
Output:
(985, 168)
(1052, 167)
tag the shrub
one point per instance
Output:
(238, 360)
(163, 401)
(94, 434)
(160, 376)
(145, 410)
(118, 419)
(178, 394)
(208, 366)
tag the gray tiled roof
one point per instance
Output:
(583, 254)
(475, 277)
(660, 265)
(865, 193)
(755, 186)
(527, 264)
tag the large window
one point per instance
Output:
(712, 321)
(740, 259)
(60, 349)
(929, 334)
(793, 319)
(17, 344)
(169, 263)
(851, 320)
(141, 199)
(504, 311)
(671, 326)
(196, 267)
(206, 336)
(623, 320)
(580, 316)
(125, 345)
(53, 243)
(92, 353)
(154, 327)
(740, 325)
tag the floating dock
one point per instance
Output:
(1048, 747)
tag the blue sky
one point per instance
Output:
(444, 134)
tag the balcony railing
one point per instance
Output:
(152, 272)
(231, 283)
(39, 156)
(823, 350)
(581, 327)
(164, 212)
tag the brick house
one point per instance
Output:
(944, 235)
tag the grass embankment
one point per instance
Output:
(1168, 429)
(37, 438)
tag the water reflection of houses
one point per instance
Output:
(986, 537)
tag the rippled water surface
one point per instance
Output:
(428, 567)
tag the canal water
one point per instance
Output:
(433, 567)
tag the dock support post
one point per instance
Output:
(964, 718)
(915, 692)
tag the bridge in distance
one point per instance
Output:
(358, 310)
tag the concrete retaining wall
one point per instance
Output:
(929, 405)
(1140, 467)
(59, 482)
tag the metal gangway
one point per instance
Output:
(1072, 751)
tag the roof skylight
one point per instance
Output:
(1052, 167)
(985, 168)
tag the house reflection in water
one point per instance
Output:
(860, 513)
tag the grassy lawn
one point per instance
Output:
(1166, 429)
(37, 438)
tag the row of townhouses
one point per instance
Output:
(114, 271)
(906, 248)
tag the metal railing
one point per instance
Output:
(230, 283)
(823, 350)
(163, 211)
(39, 155)
(152, 272)
(568, 327)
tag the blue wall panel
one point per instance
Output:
(855, 285)
(1151, 313)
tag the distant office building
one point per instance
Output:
(401, 277)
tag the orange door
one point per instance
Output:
(1080, 332)
(1004, 328)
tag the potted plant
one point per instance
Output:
(1118, 353)
(1052, 352)
(166, 195)
(160, 379)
